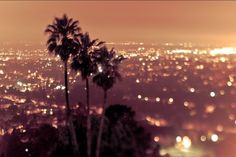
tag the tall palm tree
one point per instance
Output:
(83, 62)
(63, 41)
(107, 75)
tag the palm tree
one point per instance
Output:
(83, 62)
(107, 75)
(63, 41)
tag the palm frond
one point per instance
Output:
(100, 43)
(91, 43)
(51, 47)
(109, 61)
(63, 37)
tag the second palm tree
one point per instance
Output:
(83, 63)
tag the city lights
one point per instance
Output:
(214, 137)
(150, 72)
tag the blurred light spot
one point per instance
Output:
(178, 139)
(214, 138)
(139, 96)
(156, 139)
(212, 94)
(158, 99)
(186, 142)
(203, 138)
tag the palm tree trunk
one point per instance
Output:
(99, 138)
(70, 125)
(89, 134)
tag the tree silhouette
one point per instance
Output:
(84, 63)
(63, 41)
(107, 75)
(125, 137)
(36, 142)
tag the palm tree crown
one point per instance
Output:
(63, 37)
(83, 60)
(107, 63)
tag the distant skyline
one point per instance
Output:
(119, 21)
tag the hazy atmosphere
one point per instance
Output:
(153, 21)
(130, 79)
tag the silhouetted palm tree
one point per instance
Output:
(83, 62)
(107, 75)
(63, 41)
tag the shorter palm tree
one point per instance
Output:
(107, 75)
(83, 62)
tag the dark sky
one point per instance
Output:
(153, 21)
